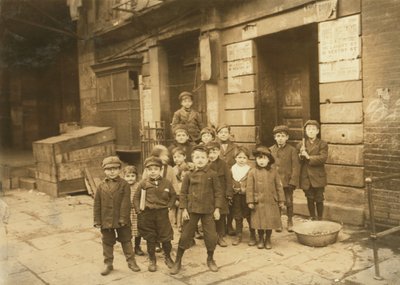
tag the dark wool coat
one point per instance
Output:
(312, 171)
(264, 189)
(201, 191)
(229, 154)
(191, 120)
(187, 147)
(225, 180)
(287, 163)
(112, 204)
(156, 195)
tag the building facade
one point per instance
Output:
(254, 64)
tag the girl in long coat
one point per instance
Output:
(264, 195)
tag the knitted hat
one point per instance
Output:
(185, 94)
(312, 122)
(280, 129)
(111, 161)
(152, 160)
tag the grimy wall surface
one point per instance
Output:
(381, 90)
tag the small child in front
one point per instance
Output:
(153, 221)
(200, 199)
(264, 195)
(313, 153)
(288, 166)
(130, 175)
(112, 210)
(240, 209)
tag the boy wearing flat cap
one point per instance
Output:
(200, 199)
(154, 226)
(313, 153)
(188, 117)
(288, 166)
(112, 209)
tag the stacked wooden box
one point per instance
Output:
(61, 160)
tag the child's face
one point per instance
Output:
(223, 134)
(206, 138)
(241, 159)
(214, 154)
(262, 160)
(281, 138)
(199, 158)
(187, 102)
(130, 178)
(154, 171)
(312, 131)
(112, 172)
(179, 158)
(164, 156)
(181, 137)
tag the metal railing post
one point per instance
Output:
(373, 236)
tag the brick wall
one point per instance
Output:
(381, 89)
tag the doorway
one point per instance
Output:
(184, 75)
(288, 81)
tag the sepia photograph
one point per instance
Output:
(200, 142)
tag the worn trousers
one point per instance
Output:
(109, 239)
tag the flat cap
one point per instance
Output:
(213, 144)
(312, 122)
(185, 94)
(111, 161)
(202, 148)
(223, 126)
(152, 160)
(180, 128)
(281, 129)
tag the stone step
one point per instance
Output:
(31, 171)
(27, 183)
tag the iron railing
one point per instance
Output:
(374, 236)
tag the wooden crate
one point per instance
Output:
(62, 188)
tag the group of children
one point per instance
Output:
(205, 177)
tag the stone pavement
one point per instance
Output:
(52, 241)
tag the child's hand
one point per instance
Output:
(185, 215)
(305, 154)
(251, 206)
(217, 215)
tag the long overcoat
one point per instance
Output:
(287, 163)
(228, 155)
(264, 189)
(312, 171)
(112, 204)
(190, 119)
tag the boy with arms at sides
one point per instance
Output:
(201, 198)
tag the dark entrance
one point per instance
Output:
(184, 75)
(288, 74)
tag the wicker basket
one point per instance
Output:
(317, 233)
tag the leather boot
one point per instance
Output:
(290, 225)
(238, 239)
(167, 254)
(260, 243)
(151, 250)
(268, 244)
(130, 256)
(221, 242)
(178, 262)
(108, 253)
(211, 262)
(107, 269)
(138, 249)
(252, 241)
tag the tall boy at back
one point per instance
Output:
(287, 164)
(201, 198)
(313, 153)
(112, 210)
(188, 117)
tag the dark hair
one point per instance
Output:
(200, 148)
(178, 149)
(241, 149)
(261, 151)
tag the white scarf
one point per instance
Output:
(238, 172)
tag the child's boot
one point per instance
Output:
(260, 243)
(138, 249)
(238, 239)
(167, 254)
(252, 241)
(130, 256)
(151, 246)
(320, 210)
(178, 262)
(211, 262)
(108, 253)
(268, 244)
